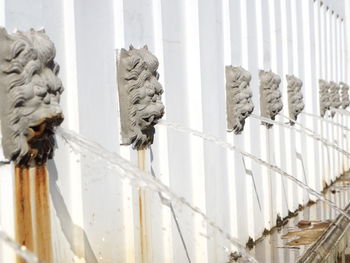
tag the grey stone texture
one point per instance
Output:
(295, 97)
(324, 94)
(344, 91)
(139, 96)
(239, 103)
(29, 96)
(334, 90)
(270, 95)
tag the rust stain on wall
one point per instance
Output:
(36, 239)
(23, 214)
(42, 214)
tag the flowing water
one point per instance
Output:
(21, 251)
(323, 119)
(144, 179)
(114, 163)
(224, 144)
(306, 131)
(342, 111)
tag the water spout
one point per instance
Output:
(311, 133)
(325, 120)
(20, 250)
(224, 144)
(140, 178)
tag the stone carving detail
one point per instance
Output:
(344, 90)
(29, 96)
(239, 103)
(270, 95)
(325, 103)
(139, 96)
(335, 102)
(295, 97)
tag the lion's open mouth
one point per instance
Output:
(41, 140)
(44, 127)
(152, 118)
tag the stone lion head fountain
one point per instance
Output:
(29, 96)
(139, 96)
(239, 103)
(270, 95)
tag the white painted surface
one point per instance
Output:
(96, 214)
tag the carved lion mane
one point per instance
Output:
(295, 97)
(29, 95)
(270, 95)
(139, 95)
(239, 98)
(335, 102)
(325, 103)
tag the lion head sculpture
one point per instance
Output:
(344, 90)
(239, 103)
(324, 97)
(270, 95)
(295, 97)
(139, 96)
(29, 96)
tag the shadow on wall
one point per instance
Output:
(72, 232)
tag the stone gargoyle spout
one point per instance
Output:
(139, 96)
(29, 96)
(295, 97)
(239, 103)
(270, 95)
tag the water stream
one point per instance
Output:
(322, 119)
(127, 170)
(93, 152)
(21, 251)
(342, 111)
(306, 131)
(224, 144)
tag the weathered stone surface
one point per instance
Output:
(139, 96)
(29, 96)
(239, 103)
(344, 91)
(325, 103)
(295, 97)
(270, 95)
(334, 89)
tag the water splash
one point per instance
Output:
(342, 111)
(224, 144)
(137, 177)
(306, 131)
(323, 119)
(20, 250)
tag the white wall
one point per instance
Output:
(96, 215)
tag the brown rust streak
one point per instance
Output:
(23, 214)
(42, 212)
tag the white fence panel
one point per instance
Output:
(99, 217)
